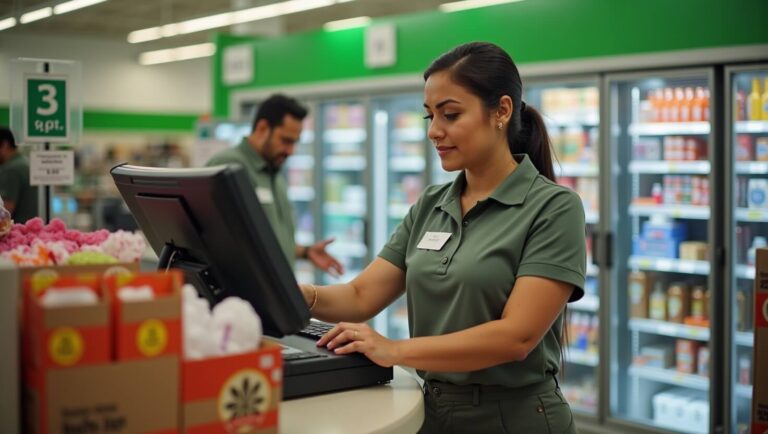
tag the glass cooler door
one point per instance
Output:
(747, 153)
(344, 138)
(571, 113)
(661, 145)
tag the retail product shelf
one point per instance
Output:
(349, 249)
(301, 193)
(669, 265)
(694, 212)
(344, 135)
(351, 163)
(581, 357)
(592, 269)
(307, 136)
(305, 238)
(664, 167)
(407, 164)
(300, 162)
(591, 216)
(752, 215)
(665, 328)
(398, 210)
(751, 127)
(351, 209)
(576, 169)
(563, 119)
(743, 390)
(745, 339)
(669, 376)
(745, 272)
(414, 134)
(751, 167)
(666, 128)
(588, 303)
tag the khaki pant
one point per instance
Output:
(534, 409)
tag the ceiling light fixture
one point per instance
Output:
(7, 23)
(36, 15)
(63, 8)
(228, 19)
(176, 54)
(472, 4)
(349, 23)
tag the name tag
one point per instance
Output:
(264, 195)
(433, 240)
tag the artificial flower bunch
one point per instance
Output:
(34, 243)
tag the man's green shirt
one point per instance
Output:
(529, 226)
(271, 189)
(15, 187)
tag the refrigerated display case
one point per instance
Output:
(300, 176)
(571, 112)
(660, 147)
(345, 178)
(399, 138)
(747, 147)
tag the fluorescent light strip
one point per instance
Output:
(472, 4)
(7, 23)
(228, 19)
(349, 23)
(36, 15)
(176, 54)
(63, 8)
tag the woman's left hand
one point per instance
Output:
(347, 338)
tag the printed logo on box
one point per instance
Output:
(244, 398)
(152, 337)
(65, 346)
(761, 310)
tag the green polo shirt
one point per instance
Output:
(15, 187)
(271, 189)
(529, 226)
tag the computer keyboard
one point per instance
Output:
(315, 330)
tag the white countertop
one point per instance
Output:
(397, 407)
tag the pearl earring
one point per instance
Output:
(500, 125)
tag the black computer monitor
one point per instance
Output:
(208, 222)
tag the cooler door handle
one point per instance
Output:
(595, 236)
(608, 260)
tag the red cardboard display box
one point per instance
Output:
(239, 393)
(67, 335)
(140, 396)
(148, 328)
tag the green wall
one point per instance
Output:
(98, 120)
(532, 31)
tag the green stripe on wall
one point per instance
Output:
(128, 121)
(532, 31)
(100, 120)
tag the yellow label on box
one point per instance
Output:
(152, 337)
(65, 346)
(43, 279)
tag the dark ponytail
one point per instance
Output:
(488, 72)
(532, 138)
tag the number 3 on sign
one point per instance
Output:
(49, 98)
